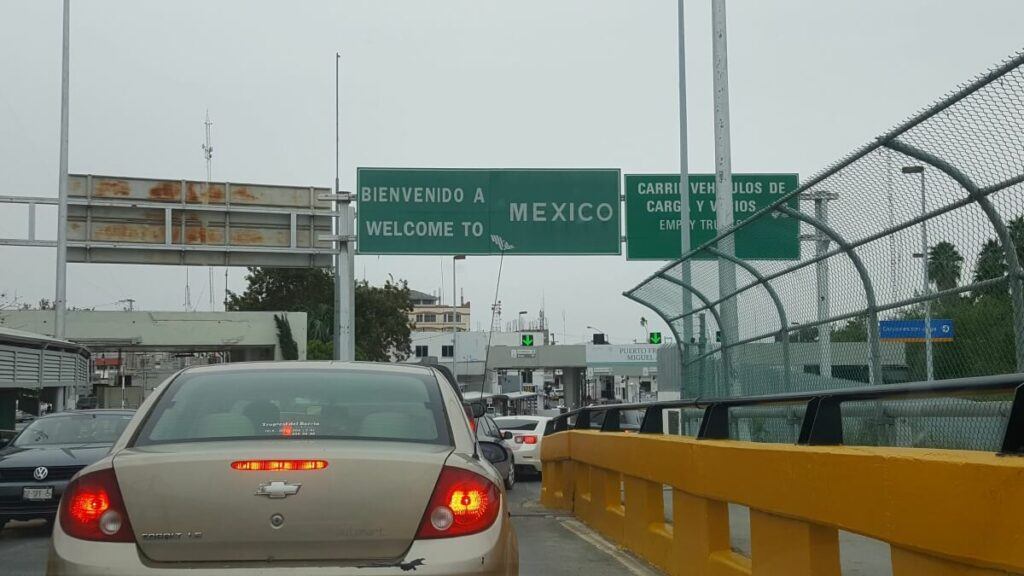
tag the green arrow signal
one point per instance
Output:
(527, 339)
(655, 338)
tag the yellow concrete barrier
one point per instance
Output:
(943, 512)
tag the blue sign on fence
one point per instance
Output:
(913, 330)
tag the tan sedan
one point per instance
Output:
(291, 468)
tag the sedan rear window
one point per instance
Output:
(301, 404)
(87, 428)
(516, 424)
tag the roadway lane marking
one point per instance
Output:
(597, 541)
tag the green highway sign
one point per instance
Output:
(527, 340)
(652, 216)
(654, 338)
(476, 211)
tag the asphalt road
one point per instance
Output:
(549, 543)
(23, 548)
(557, 544)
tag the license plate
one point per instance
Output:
(37, 493)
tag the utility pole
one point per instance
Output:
(455, 326)
(60, 299)
(723, 180)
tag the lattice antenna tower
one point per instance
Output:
(208, 156)
(496, 316)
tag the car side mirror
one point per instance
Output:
(4, 442)
(493, 452)
(476, 409)
(507, 435)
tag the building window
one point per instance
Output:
(426, 317)
(447, 351)
(527, 376)
(448, 317)
(422, 352)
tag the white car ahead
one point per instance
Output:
(527, 434)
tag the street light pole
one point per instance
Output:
(684, 194)
(925, 285)
(599, 331)
(60, 299)
(728, 310)
(344, 263)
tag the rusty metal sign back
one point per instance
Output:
(151, 221)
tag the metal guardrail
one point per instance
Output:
(822, 421)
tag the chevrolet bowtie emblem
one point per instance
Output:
(277, 489)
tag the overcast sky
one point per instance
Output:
(471, 83)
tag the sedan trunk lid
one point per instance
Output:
(186, 502)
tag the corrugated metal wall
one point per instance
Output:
(20, 368)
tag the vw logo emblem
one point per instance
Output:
(40, 473)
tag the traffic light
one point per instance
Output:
(527, 340)
(654, 338)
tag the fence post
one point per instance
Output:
(783, 321)
(874, 360)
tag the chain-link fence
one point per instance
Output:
(909, 270)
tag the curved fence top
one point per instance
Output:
(909, 268)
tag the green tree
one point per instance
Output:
(855, 330)
(289, 347)
(991, 264)
(1016, 229)
(945, 265)
(319, 350)
(382, 330)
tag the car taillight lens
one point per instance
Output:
(463, 503)
(92, 509)
(529, 439)
(469, 415)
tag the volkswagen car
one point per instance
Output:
(38, 462)
(292, 468)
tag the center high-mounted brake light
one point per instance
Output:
(92, 509)
(278, 465)
(463, 503)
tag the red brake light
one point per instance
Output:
(278, 465)
(92, 509)
(529, 439)
(463, 503)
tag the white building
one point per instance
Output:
(429, 315)
(469, 355)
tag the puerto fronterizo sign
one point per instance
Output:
(488, 211)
